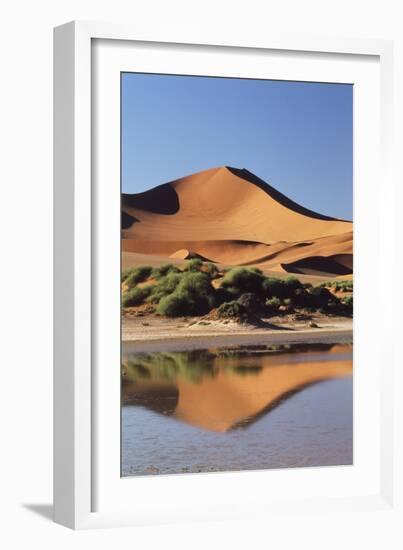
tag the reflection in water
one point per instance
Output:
(216, 393)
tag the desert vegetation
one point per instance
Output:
(200, 288)
(339, 286)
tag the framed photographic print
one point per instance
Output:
(217, 205)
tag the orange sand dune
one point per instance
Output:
(232, 217)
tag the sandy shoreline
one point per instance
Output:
(159, 334)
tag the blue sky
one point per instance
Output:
(296, 136)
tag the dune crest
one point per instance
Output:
(231, 216)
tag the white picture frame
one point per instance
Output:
(87, 491)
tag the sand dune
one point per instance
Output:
(230, 216)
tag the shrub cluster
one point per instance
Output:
(231, 310)
(282, 288)
(343, 286)
(125, 273)
(137, 275)
(162, 270)
(241, 279)
(273, 303)
(243, 290)
(135, 296)
(193, 295)
(194, 265)
(166, 285)
(347, 301)
(321, 297)
(211, 269)
(251, 302)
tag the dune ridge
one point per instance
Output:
(230, 216)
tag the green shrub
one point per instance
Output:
(223, 295)
(135, 296)
(190, 293)
(240, 280)
(273, 287)
(198, 287)
(251, 302)
(293, 282)
(321, 297)
(343, 286)
(279, 288)
(273, 303)
(256, 270)
(175, 305)
(231, 310)
(347, 301)
(165, 286)
(303, 298)
(163, 270)
(125, 273)
(320, 291)
(194, 265)
(138, 275)
(211, 269)
(287, 302)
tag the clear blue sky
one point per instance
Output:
(296, 136)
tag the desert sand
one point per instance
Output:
(231, 217)
(152, 333)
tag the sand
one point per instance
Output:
(154, 333)
(231, 217)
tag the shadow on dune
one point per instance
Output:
(159, 200)
(344, 259)
(127, 220)
(318, 265)
(201, 216)
(276, 195)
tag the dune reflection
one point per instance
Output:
(219, 390)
